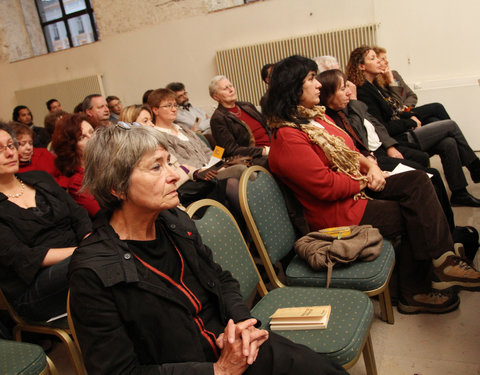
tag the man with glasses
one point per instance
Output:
(188, 116)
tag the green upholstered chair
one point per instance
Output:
(58, 328)
(348, 331)
(23, 358)
(265, 212)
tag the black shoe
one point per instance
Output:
(474, 169)
(464, 199)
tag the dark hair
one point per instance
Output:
(49, 103)
(111, 97)
(145, 96)
(330, 80)
(285, 89)
(64, 142)
(78, 108)
(87, 102)
(16, 112)
(264, 71)
(51, 119)
(353, 71)
(176, 86)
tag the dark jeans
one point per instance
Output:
(46, 297)
(408, 207)
(447, 140)
(430, 113)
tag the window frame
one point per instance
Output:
(65, 18)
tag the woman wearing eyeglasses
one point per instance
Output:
(40, 227)
(71, 134)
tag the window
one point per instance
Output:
(67, 23)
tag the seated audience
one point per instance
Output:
(194, 118)
(393, 85)
(351, 116)
(146, 295)
(115, 107)
(53, 105)
(69, 139)
(40, 227)
(332, 180)
(145, 96)
(141, 114)
(96, 108)
(237, 126)
(32, 158)
(441, 137)
(193, 154)
(23, 114)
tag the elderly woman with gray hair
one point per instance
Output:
(237, 126)
(146, 295)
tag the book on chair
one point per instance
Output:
(297, 318)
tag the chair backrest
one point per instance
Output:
(266, 215)
(71, 325)
(221, 234)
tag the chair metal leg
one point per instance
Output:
(386, 310)
(73, 352)
(369, 357)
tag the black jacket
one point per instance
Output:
(127, 319)
(26, 237)
(381, 110)
(233, 134)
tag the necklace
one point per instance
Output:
(21, 192)
(236, 114)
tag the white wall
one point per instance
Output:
(437, 39)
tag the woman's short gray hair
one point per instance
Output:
(212, 87)
(110, 156)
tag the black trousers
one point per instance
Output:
(279, 355)
(430, 113)
(408, 207)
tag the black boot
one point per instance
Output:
(474, 169)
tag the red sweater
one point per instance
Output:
(326, 196)
(73, 184)
(42, 160)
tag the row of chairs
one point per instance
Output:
(268, 222)
(265, 212)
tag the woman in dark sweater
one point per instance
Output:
(40, 227)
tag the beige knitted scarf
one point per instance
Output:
(340, 156)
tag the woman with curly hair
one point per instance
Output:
(68, 141)
(440, 137)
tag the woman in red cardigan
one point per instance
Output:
(71, 134)
(338, 186)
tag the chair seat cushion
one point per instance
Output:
(21, 358)
(359, 275)
(349, 322)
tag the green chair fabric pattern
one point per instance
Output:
(221, 235)
(21, 358)
(349, 322)
(269, 212)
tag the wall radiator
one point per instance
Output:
(242, 65)
(69, 93)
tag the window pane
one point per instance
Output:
(56, 36)
(81, 30)
(49, 10)
(72, 6)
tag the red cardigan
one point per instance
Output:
(73, 184)
(42, 160)
(326, 196)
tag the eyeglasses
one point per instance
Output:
(169, 106)
(10, 146)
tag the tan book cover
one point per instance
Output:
(305, 317)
